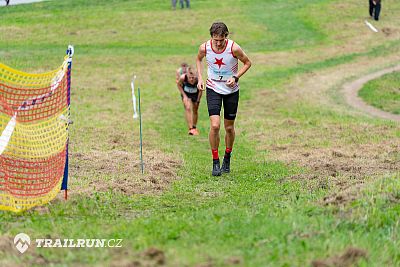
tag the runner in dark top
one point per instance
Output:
(187, 86)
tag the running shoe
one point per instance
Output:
(195, 131)
(216, 171)
(226, 165)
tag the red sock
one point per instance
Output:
(215, 153)
(228, 153)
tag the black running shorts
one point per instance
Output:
(214, 103)
(192, 96)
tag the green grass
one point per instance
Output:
(258, 213)
(383, 93)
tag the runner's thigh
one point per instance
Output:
(214, 102)
(231, 102)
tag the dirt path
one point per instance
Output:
(351, 95)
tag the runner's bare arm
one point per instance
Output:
(179, 84)
(241, 55)
(199, 65)
(199, 97)
(177, 75)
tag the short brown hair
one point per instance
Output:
(219, 28)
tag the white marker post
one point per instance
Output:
(371, 26)
(135, 115)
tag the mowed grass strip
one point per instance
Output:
(383, 93)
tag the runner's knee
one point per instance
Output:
(214, 127)
(230, 129)
(187, 107)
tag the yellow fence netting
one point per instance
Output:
(34, 118)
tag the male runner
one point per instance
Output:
(222, 85)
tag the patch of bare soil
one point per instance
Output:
(349, 258)
(151, 257)
(389, 31)
(234, 261)
(344, 168)
(154, 257)
(205, 264)
(120, 171)
(7, 245)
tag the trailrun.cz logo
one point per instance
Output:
(22, 242)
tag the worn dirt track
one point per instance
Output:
(351, 94)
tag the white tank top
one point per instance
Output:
(221, 67)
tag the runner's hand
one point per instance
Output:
(200, 85)
(230, 82)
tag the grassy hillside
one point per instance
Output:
(312, 179)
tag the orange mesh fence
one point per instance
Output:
(34, 117)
